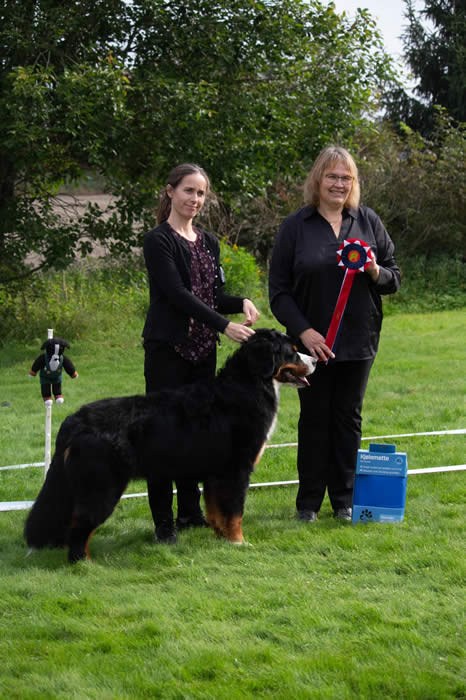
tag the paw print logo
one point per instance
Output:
(365, 515)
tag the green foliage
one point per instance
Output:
(430, 283)
(436, 54)
(434, 49)
(418, 188)
(243, 276)
(246, 88)
(98, 295)
(87, 298)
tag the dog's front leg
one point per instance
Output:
(233, 529)
(224, 499)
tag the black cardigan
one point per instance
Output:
(172, 303)
(305, 279)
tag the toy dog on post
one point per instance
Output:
(50, 365)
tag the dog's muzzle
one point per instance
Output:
(296, 374)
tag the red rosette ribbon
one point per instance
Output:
(355, 256)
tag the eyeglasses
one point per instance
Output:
(346, 179)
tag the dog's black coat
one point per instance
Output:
(212, 431)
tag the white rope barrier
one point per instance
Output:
(24, 466)
(457, 431)
(24, 505)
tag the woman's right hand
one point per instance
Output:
(238, 332)
(315, 343)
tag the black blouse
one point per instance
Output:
(305, 280)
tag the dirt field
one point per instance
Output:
(70, 206)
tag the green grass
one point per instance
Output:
(327, 610)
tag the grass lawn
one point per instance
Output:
(323, 610)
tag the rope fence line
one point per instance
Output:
(24, 505)
(457, 431)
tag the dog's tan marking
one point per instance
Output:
(66, 454)
(213, 516)
(259, 455)
(234, 531)
(230, 528)
(86, 548)
(297, 370)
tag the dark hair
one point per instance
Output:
(174, 178)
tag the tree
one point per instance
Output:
(418, 187)
(436, 54)
(250, 89)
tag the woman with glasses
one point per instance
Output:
(304, 285)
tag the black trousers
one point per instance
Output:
(164, 368)
(329, 433)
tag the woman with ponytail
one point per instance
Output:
(185, 317)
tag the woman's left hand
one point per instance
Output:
(373, 270)
(250, 311)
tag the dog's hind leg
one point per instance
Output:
(99, 479)
(88, 514)
(80, 535)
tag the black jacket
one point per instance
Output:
(172, 304)
(305, 279)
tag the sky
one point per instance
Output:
(389, 15)
(391, 21)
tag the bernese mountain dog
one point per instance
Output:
(212, 431)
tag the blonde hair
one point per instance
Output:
(328, 157)
(174, 178)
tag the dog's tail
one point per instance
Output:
(49, 520)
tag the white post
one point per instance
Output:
(48, 425)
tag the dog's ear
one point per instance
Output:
(261, 360)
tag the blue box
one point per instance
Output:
(380, 485)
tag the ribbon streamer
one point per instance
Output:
(356, 256)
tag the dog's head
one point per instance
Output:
(54, 346)
(272, 355)
(54, 349)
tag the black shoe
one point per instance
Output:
(191, 521)
(343, 513)
(165, 533)
(309, 516)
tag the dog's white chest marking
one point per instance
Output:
(276, 386)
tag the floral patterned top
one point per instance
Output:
(202, 339)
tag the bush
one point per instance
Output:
(417, 186)
(429, 285)
(243, 276)
(85, 299)
(99, 296)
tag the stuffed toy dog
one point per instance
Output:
(50, 365)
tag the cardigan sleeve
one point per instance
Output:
(163, 265)
(281, 298)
